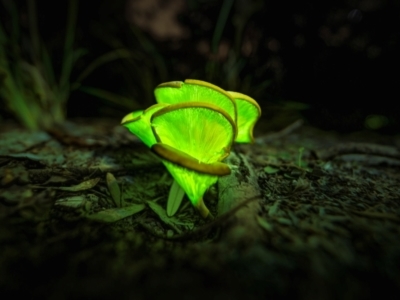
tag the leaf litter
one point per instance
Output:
(332, 214)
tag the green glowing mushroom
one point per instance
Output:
(138, 123)
(195, 91)
(193, 138)
(248, 112)
(243, 109)
(192, 129)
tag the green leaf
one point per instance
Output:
(72, 202)
(162, 214)
(113, 188)
(115, 214)
(175, 198)
(270, 170)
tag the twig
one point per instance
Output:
(358, 148)
(284, 132)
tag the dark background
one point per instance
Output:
(333, 62)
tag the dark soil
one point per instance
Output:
(322, 220)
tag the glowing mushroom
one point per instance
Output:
(193, 138)
(138, 123)
(243, 109)
(192, 129)
(192, 90)
(248, 112)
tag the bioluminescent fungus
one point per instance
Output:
(192, 129)
(192, 90)
(138, 123)
(193, 138)
(248, 112)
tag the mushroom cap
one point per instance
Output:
(192, 129)
(131, 117)
(192, 90)
(192, 139)
(248, 112)
(138, 123)
(201, 130)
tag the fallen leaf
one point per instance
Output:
(115, 214)
(162, 214)
(114, 189)
(73, 202)
(85, 185)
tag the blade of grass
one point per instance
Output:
(48, 69)
(68, 48)
(34, 31)
(9, 89)
(221, 22)
(15, 28)
(105, 58)
(111, 97)
(149, 47)
(16, 103)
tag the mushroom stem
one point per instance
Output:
(203, 210)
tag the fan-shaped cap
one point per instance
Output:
(192, 129)
(248, 112)
(195, 91)
(138, 123)
(193, 138)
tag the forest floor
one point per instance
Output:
(305, 213)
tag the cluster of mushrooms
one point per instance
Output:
(192, 128)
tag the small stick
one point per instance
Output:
(284, 132)
(358, 148)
